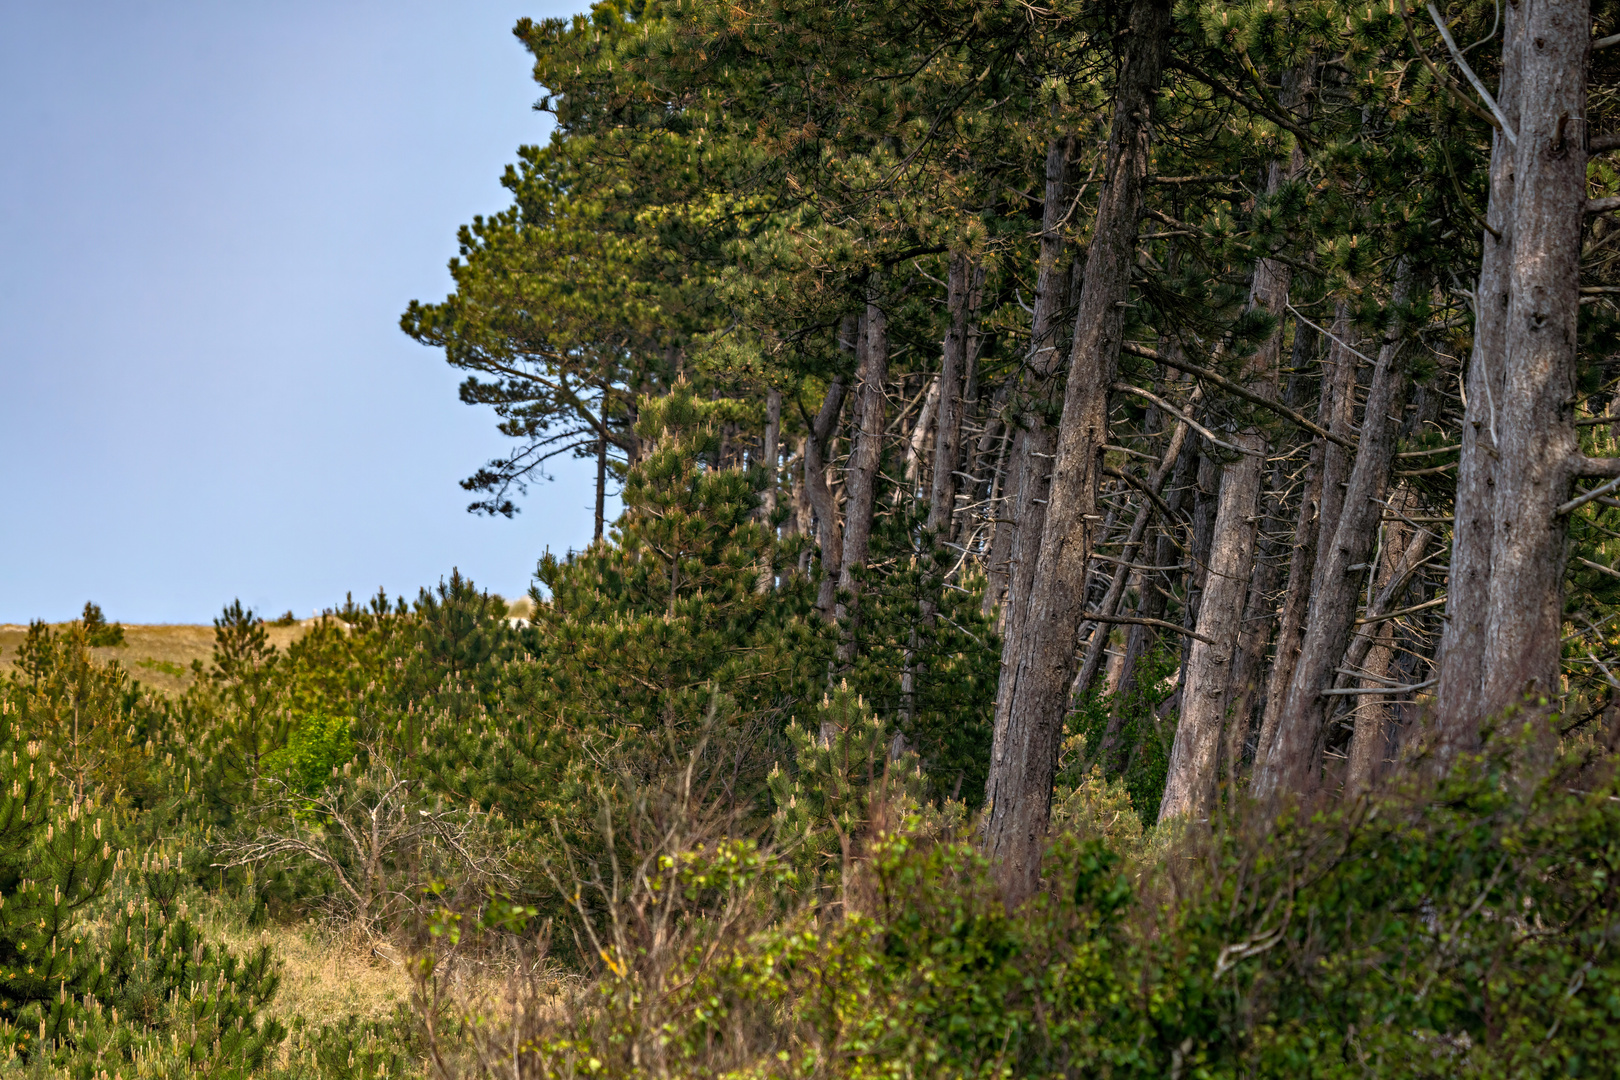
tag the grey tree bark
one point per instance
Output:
(1338, 384)
(918, 448)
(1112, 752)
(770, 451)
(1029, 468)
(1261, 612)
(1039, 666)
(1189, 789)
(1535, 427)
(1460, 696)
(861, 476)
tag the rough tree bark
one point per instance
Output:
(1038, 672)
(1293, 760)
(1189, 787)
(1460, 696)
(1375, 741)
(1261, 613)
(1029, 467)
(1539, 452)
(917, 449)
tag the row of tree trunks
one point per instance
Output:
(1323, 471)
(1039, 666)
(1127, 555)
(1291, 762)
(1261, 615)
(1112, 751)
(1207, 675)
(844, 538)
(1040, 499)
(1377, 735)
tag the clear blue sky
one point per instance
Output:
(211, 216)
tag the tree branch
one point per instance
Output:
(1241, 391)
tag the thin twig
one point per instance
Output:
(1456, 55)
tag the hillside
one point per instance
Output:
(158, 656)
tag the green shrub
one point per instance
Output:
(317, 745)
(1464, 928)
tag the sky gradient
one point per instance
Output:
(212, 215)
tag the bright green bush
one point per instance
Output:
(318, 745)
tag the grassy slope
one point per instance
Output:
(159, 657)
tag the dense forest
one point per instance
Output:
(1115, 578)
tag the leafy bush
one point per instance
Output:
(1463, 928)
(318, 745)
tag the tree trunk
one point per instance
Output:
(861, 476)
(1040, 667)
(1261, 615)
(953, 362)
(770, 451)
(1338, 384)
(1292, 761)
(1536, 424)
(1337, 459)
(1029, 469)
(917, 445)
(994, 512)
(1254, 631)
(829, 537)
(601, 487)
(1460, 696)
(1374, 740)
(1189, 789)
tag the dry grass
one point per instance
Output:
(326, 974)
(158, 656)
